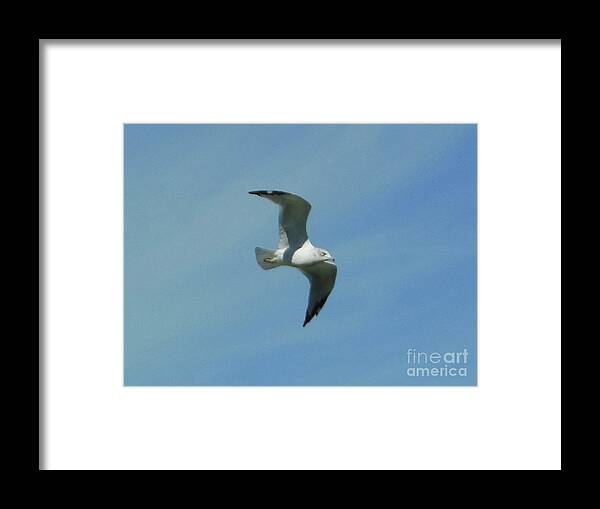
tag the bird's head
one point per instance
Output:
(324, 256)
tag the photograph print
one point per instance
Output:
(300, 254)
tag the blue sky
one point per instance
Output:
(394, 204)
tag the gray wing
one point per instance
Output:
(293, 213)
(322, 280)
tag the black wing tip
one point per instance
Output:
(263, 191)
(308, 319)
(315, 312)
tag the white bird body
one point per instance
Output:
(301, 257)
(295, 250)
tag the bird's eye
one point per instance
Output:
(323, 253)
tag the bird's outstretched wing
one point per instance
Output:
(293, 214)
(322, 279)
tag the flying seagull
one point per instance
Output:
(295, 250)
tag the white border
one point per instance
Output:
(511, 421)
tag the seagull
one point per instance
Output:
(295, 250)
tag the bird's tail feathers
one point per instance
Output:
(266, 258)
